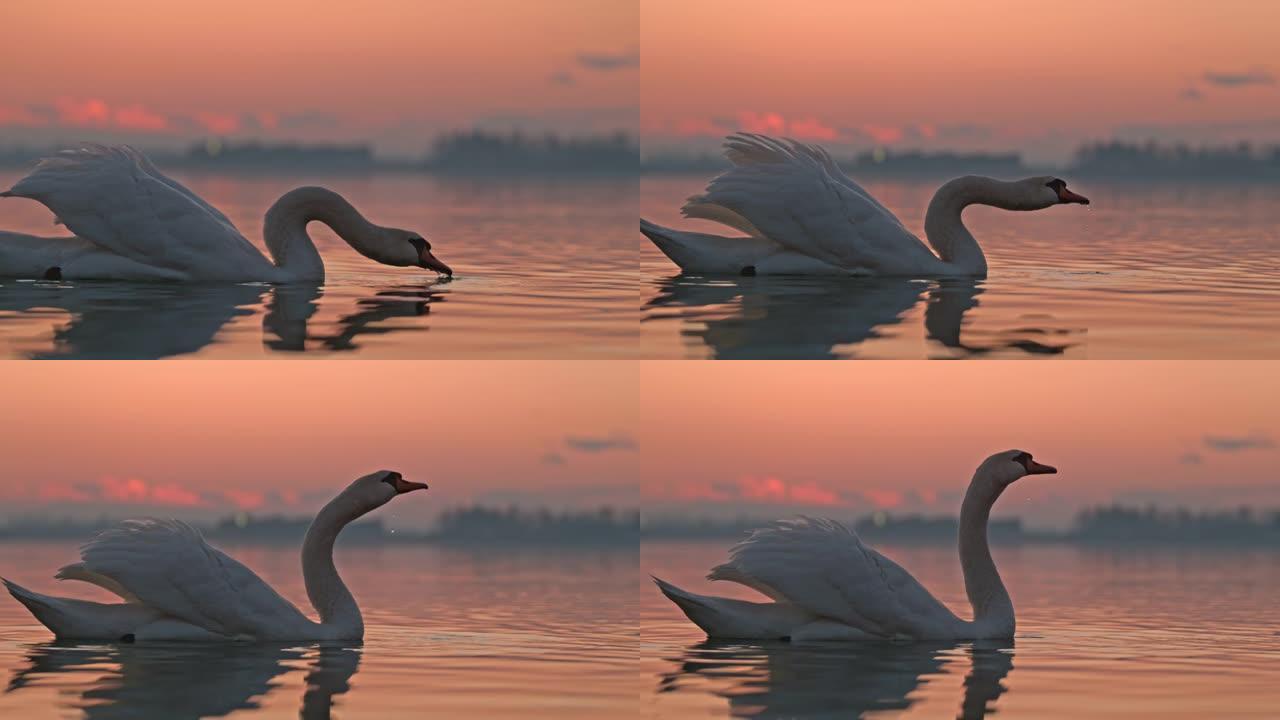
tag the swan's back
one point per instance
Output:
(114, 197)
(824, 567)
(167, 566)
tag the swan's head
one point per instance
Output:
(1002, 469)
(402, 248)
(1039, 193)
(378, 488)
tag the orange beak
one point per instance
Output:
(430, 262)
(403, 486)
(1066, 196)
(1035, 468)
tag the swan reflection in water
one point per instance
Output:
(155, 320)
(822, 317)
(185, 680)
(846, 680)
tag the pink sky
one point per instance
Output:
(207, 438)
(1000, 74)
(776, 438)
(394, 71)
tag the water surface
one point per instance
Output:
(449, 633)
(545, 268)
(1147, 271)
(1101, 634)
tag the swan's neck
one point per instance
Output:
(285, 230)
(992, 608)
(946, 232)
(329, 595)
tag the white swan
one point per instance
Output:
(177, 587)
(134, 223)
(804, 216)
(826, 584)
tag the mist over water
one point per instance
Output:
(1173, 633)
(499, 633)
(1148, 270)
(545, 267)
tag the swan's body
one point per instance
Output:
(132, 222)
(827, 585)
(175, 586)
(803, 216)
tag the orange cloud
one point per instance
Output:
(811, 129)
(884, 499)
(768, 123)
(131, 490)
(95, 112)
(762, 490)
(137, 117)
(698, 126)
(82, 112)
(245, 499)
(170, 494)
(127, 490)
(883, 134)
(218, 123)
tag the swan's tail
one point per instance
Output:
(728, 618)
(710, 254)
(81, 619)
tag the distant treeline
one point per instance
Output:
(1112, 159)
(479, 152)
(474, 152)
(1151, 160)
(1100, 525)
(475, 525)
(481, 525)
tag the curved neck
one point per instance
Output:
(328, 594)
(285, 229)
(992, 607)
(946, 232)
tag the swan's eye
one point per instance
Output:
(419, 244)
(1022, 459)
(392, 478)
(1056, 184)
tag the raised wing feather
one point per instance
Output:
(167, 566)
(795, 195)
(114, 197)
(823, 567)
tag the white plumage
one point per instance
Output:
(825, 583)
(175, 586)
(802, 215)
(132, 222)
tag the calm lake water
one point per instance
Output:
(1101, 634)
(1147, 271)
(544, 268)
(498, 633)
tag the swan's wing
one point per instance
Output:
(114, 197)
(77, 571)
(795, 195)
(752, 149)
(823, 567)
(166, 565)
